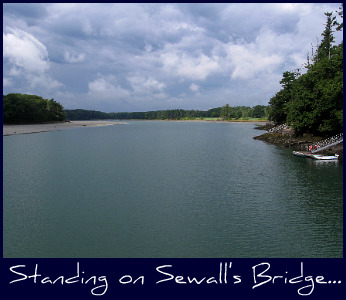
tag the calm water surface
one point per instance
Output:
(167, 189)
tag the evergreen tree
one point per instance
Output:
(339, 26)
(279, 104)
(313, 102)
(325, 48)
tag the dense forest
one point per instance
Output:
(226, 113)
(22, 108)
(313, 102)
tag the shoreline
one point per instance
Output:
(298, 143)
(9, 129)
(14, 129)
(208, 121)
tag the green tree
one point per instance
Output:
(226, 112)
(259, 111)
(317, 97)
(22, 108)
(287, 80)
(325, 48)
(279, 104)
(313, 102)
(339, 26)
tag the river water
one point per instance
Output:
(167, 189)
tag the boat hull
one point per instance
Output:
(315, 156)
(302, 153)
(324, 157)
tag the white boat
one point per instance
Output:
(325, 157)
(302, 153)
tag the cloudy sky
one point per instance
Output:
(141, 57)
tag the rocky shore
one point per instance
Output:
(298, 143)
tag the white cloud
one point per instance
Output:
(145, 85)
(43, 81)
(247, 62)
(6, 82)
(148, 47)
(72, 57)
(28, 60)
(266, 54)
(186, 27)
(24, 51)
(194, 87)
(186, 66)
(14, 71)
(106, 88)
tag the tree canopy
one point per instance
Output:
(313, 102)
(226, 113)
(22, 108)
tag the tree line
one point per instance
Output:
(22, 108)
(237, 112)
(313, 102)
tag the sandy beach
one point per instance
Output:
(35, 128)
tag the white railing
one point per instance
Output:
(325, 144)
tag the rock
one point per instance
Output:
(297, 143)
